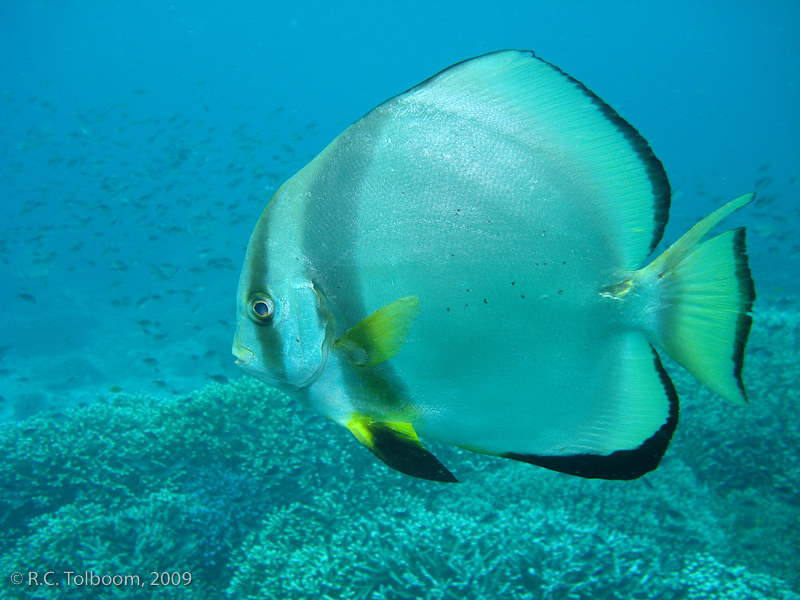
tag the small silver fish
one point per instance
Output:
(464, 263)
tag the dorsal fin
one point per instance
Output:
(542, 107)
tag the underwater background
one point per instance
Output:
(139, 143)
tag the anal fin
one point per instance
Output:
(630, 432)
(397, 445)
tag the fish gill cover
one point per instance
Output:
(139, 143)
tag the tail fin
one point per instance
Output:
(707, 293)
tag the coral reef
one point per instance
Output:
(257, 498)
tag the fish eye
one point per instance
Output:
(261, 308)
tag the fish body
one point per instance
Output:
(464, 263)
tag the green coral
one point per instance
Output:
(117, 487)
(415, 552)
(545, 536)
(708, 579)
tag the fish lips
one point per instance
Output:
(245, 361)
(248, 361)
(244, 356)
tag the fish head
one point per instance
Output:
(284, 332)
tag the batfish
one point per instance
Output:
(468, 263)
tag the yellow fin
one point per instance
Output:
(398, 445)
(692, 238)
(381, 335)
(708, 297)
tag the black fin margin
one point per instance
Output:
(659, 182)
(407, 455)
(747, 291)
(622, 464)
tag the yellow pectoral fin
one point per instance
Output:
(397, 445)
(381, 335)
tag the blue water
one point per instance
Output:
(139, 142)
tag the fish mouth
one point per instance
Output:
(244, 359)
(244, 356)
